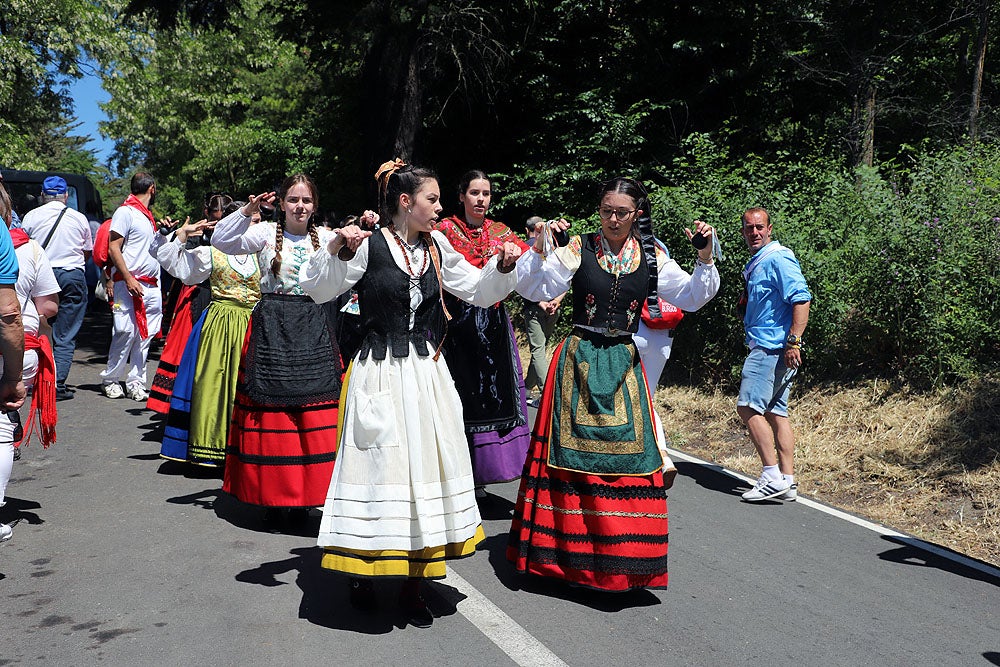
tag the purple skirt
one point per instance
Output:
(498, 456)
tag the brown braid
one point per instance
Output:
(279, 238)
(314, 233)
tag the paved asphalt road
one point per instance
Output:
(121, 558)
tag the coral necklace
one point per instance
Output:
(406, 249)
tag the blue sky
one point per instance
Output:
(87, 93)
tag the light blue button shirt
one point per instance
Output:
(773, 287)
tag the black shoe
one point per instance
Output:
(414, 607)
(298, 516)
(64, 394)
(362, 594)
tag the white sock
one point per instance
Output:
(789, 478)
(772, 473)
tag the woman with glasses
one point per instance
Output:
(481, 349)
(592, 507)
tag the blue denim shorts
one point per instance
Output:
(765, 382)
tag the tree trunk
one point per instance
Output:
(977, 75)
(862, 137)
(391, 79)
(410, 108)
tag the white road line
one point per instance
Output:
(500, 628)
(909, 540)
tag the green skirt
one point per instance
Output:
(218, 363)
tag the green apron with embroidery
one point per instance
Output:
(601, 416)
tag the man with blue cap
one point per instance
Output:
(65, 235)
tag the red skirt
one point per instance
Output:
(604, 532)
(280, 455)
(173, 349)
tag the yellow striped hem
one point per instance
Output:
(427, 563)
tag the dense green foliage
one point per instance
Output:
(869, 129)
(902, 263)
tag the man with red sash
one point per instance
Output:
(137, 302)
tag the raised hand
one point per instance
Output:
(507, 257)
(255, 201)
(707, 231)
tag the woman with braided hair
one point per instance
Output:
(283, 435)
(402, 500)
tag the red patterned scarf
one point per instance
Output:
(478, 244)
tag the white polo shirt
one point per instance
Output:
(71, 239)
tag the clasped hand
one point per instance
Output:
(507, 256)
(349, 237)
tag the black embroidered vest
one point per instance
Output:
(384, 301)
(603, 300)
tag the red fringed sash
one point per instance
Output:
(43, 401)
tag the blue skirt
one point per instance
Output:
(176, 432)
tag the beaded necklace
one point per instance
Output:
(407, 249)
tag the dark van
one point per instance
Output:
(25, 188)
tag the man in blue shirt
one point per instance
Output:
(777, 309)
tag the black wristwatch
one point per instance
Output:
(793, 339)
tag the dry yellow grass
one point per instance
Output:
(925, 464)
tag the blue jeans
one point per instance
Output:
(765, 382)
(66, 325)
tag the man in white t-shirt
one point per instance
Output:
(137, 306)
(66, 237)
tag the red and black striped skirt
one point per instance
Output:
(282, 444)
(600, 531)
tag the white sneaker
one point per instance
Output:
(113, 390)
(791, 494)
(6, 532)
(137, 393)
(766, 488)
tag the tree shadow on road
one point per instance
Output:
(325, 599)
(495, 508)
(605, 601)
(912, 553)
